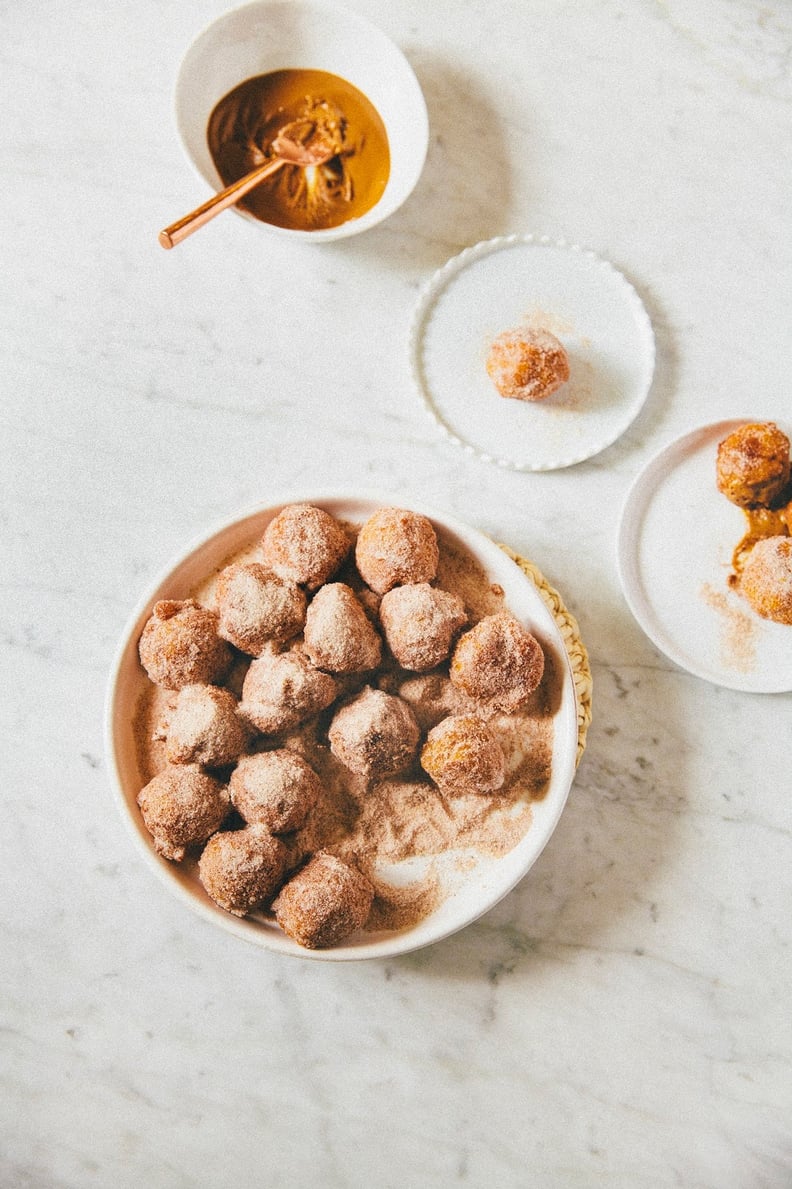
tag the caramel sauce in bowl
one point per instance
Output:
(245, 122)
(257, 64)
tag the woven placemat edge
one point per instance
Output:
(570, 632)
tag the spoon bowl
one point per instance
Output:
(304, 142)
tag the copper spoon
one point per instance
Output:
(302, 142)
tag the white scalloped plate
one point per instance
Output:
(519, 280)
(675, 543)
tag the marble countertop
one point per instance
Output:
(622, 1017)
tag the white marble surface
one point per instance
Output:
(622, 1018)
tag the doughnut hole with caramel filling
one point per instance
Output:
(753, 464)
(766, 579)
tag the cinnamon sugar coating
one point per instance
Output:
(420, 622)
(182, 807)
(282, 690)
(256, 606)
(242, 869)
(338, 634)
(276, 789)
(753, 464)
(180, 646)
(205, 727)
(766, 579)
(396, 546)
(324, 903)
(374, 735)
(462, 755)
(498, 662)
(305, 544)
(527, 364)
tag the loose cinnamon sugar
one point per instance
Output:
(738, 631)
(401, 832)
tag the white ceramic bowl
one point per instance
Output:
(305, 34)
(484, 883)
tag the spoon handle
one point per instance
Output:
(173, 235)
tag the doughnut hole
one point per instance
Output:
(420, 622)
(498, 662)
(527, 364)
(339, 635)
(276, 789)
(242, 869)
(375, 735)
(179, 645)
(256, 606)
(462, 755)
(283, 690)
(324, 903)
(305, 544)
(396, 546)
(205, 727)
(182, 807)
(753, 464)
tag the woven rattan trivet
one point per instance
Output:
(576, 649)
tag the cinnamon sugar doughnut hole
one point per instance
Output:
(256, 606)
(374, 735)
(527, 364)
(180, 646)
(420, 622)
(182, 807)
(205, 727)
(242, 869)
(498, 662)
(305, 544)
(276, 789)
(339, 635)
(396, 546)
(766, 579)
(282, 690)
(462, 755)
(324, 903)
(753, 464)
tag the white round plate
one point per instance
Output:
(522, 281)
(675, 544)
(482, 880)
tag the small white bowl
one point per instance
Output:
(484, 882)
(272, 35)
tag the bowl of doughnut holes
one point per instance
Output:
(344, 727)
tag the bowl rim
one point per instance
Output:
(419, 125)
(392, 943)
